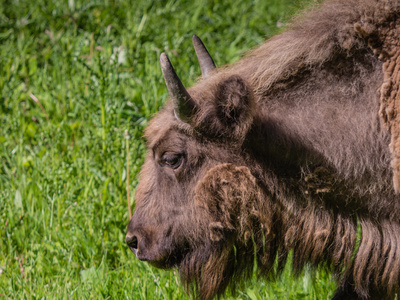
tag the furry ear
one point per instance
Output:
(232, 200)
(233, 101)
(229, 112)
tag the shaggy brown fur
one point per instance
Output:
(290, 150)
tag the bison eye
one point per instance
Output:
(171, 160)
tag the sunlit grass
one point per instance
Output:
(93, 67)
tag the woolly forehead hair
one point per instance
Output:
(163, 123)
(158, 128)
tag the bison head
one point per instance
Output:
(197, 204)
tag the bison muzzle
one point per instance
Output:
(293, 149)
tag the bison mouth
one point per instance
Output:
(162, 256)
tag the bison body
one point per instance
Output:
(291, 149)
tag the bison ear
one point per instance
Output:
(230, 112)
(233, 100)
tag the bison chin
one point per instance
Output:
(240, 218)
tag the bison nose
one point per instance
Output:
(132, 242)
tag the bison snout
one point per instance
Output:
(137, 244)
(132, 242)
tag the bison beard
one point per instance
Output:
(232, 201)
(293, 149)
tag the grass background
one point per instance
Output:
(93, 66)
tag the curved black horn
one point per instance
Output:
(184, 106)
(206, 62)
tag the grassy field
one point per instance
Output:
(74, 76)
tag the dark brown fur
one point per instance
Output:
(291, 148)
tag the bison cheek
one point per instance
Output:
(229, 196)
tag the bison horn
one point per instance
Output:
(184, 106)
(205, 60)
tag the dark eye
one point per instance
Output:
(171, 160)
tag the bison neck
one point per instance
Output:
(318, 146)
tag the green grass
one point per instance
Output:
(93, 66)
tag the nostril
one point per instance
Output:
(132, 243)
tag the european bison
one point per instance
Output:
(291, 149)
